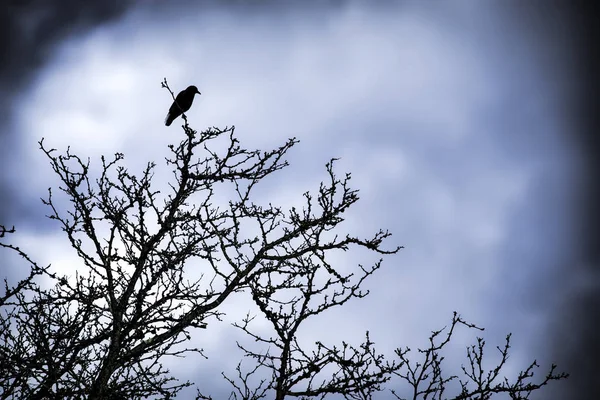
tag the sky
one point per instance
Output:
(463, 125)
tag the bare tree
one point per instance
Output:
(428, 379)
(104, 333)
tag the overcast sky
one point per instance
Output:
(456, 122)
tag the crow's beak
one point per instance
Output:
(197, 91)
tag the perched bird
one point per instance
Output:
(182, 103)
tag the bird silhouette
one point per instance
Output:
(182, 103)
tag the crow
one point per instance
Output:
(182, 103)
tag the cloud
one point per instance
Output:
(440, 121)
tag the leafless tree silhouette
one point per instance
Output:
(104, 333)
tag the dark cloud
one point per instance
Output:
(571, 29)
(31, 28)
